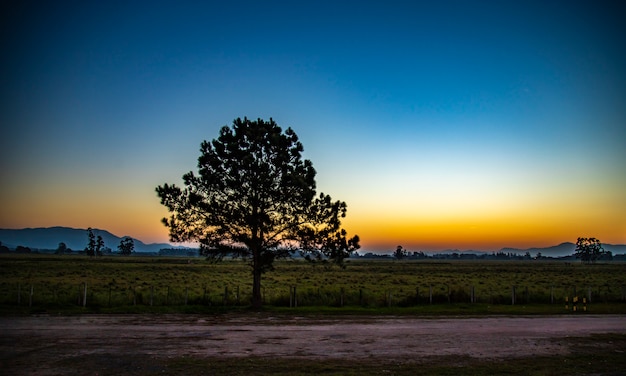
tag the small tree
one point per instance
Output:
(127, 246)
(90, 250)
(588, 250)
(400, 253)
(99, 246)
(61, 249)
(254, 197)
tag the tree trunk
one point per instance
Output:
(257, 299)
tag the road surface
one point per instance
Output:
(40, 340)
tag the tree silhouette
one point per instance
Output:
(588, 250)
(95, 246)
(99, 245)
(61, 249)
(400, 253)
(127, 246)
(91, 243)
(254, 197)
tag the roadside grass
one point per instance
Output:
(49, 283)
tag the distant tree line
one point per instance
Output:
(405, 255)
(192, 252)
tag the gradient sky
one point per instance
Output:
(442, 124)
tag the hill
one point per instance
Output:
(563, 249)
(75, 239)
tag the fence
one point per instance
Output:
(113, 295)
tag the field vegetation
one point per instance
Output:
(164, 284)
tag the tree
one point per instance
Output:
(91, 243)
(61, 249)
(99, 246)
(127, 246)
(22, 249)
(255, 197)
(588, 250)
(400, 253)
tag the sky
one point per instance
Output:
(442, 124)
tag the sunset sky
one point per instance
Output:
(442, 124)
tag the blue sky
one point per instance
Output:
(450, 124)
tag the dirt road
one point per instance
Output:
(41, 339)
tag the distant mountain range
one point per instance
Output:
(563, 249)
(75, 239)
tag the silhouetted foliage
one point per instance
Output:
(99, 245)
(127, 246)
(95, 245)
(400, 253)
(22, 249)
(61, 249)
(588, 250)
(254, 197)
(90, 250)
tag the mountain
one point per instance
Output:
(563, 249)
(75, 239)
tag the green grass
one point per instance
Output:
(164, 285)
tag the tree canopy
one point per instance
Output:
(254, 196)
(95, 246)
(400, 253)
(127, 246)
(588, 250)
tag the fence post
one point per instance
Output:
(293, 299)
(30, 296)
(85, 294)
(341, 292)
(512, 295)
(430, 294)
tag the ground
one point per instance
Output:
(153, 344)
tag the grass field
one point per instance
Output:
(161, 284)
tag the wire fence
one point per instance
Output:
(121, 295)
